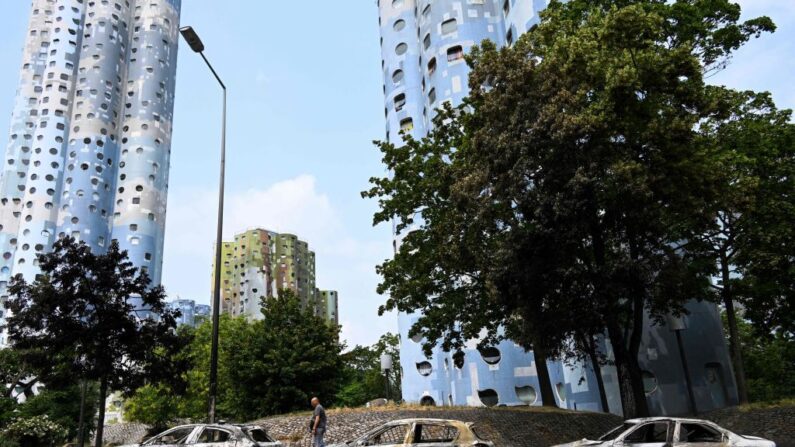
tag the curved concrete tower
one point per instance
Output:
(90, 136)
(423, 43)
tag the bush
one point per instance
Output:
(37, 431)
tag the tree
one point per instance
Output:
(269, 366)
(61, 405)
(79, 314)
(751, 241)
(572, 182)
(363, 379)
(154, 405)
(769, 361)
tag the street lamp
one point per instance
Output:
(386, 366)
(197, 46)
(677, 325)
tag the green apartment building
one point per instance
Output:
(259, 263)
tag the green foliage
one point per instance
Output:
(269, 366)
(78, 320)
(61, 406)
(153, 405)
(34, 431)
(571, 191)
(362, 379)
(769, 363)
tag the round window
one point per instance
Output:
(397, 76)
(399, 25)
(401, 49)
(397, 3)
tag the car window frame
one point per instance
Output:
(188, 440)
(383, 429)
(248, 429)
(232, 436)
(715, 427)
(413, 441)
(668, 432)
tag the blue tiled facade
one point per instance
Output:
(422, 46)
(90, 134)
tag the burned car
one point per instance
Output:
(425, 432)
(212, 435)
(671, 432)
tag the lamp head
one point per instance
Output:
(192, 38)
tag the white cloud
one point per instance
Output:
(345, 262)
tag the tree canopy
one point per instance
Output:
(571, 191)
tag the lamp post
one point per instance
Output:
(386, 365)
(197, 46)
(677, 325)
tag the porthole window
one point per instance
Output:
(397, 76)
(449, 26)
(432, 96)
(426, 42)
(427, 401)
(491, 355)
(526, 394)
(397, 3)
(400, 102)
(406, 125)
(649, 382)
(424, 368)
(488, 397)
(416, 338)
(399, 25)
(431, 66)
(455, 53)
(560, 388)
(401, 49)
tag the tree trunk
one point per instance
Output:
(734, 337)
(81, 424)
(590, 346)
(103, 391)
(544, 382)
(633, 398)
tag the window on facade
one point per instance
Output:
(432, 96)
(399, 25)
(449, 26)
(506, 7)
(401, 49)
(426, 42)
(426, 12)
(397, 76)
(397, 3)
(455, 53)
(431, 66)
(509, 37)
(400, 102)
(488, 397)
(406, 125)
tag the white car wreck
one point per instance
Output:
(420, 432)
(671, 432)
(212, 435)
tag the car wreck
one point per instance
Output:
(212, 435)
(671, 432)
(425, 432)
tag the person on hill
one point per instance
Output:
(317, 425)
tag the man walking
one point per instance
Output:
(317, 425)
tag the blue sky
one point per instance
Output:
(305, 102)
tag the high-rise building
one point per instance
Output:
(423, 43)
(90, 135)
(259, 263)
(187, 310)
